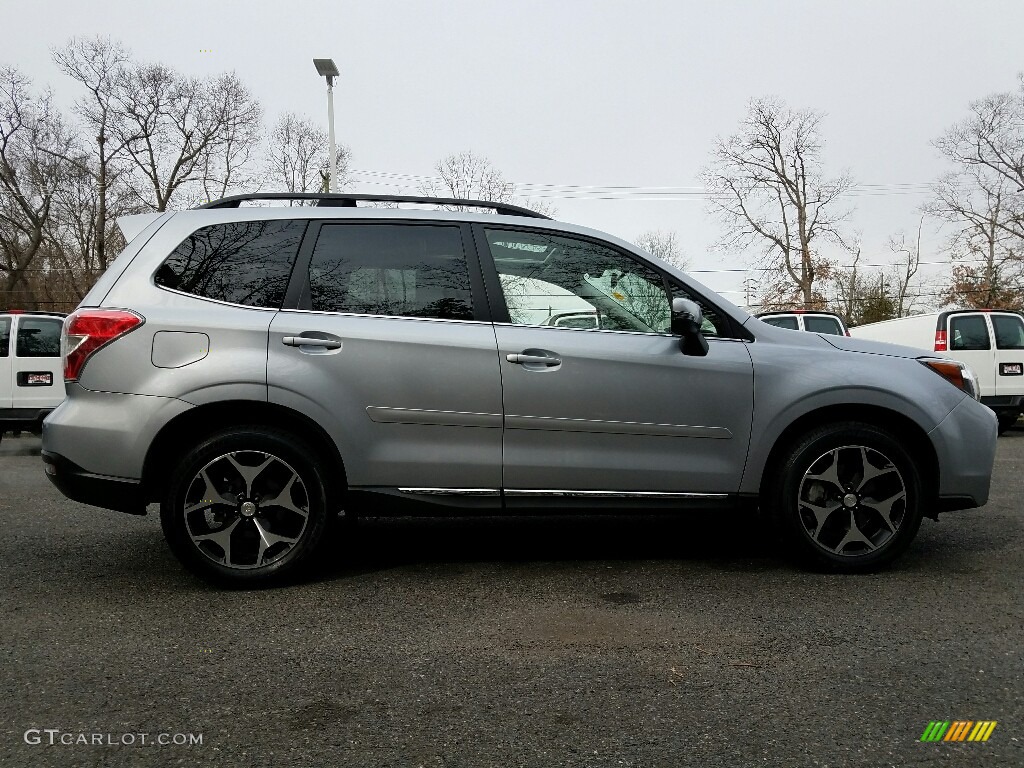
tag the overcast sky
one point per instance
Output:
(586, 94)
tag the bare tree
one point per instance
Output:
(298, 156)
(184, 136)
(983, 200)
(469, 176)
(98, 64)
(664, 245)
(989, 146)
(903, 272)
(768, 189)
(34, 145)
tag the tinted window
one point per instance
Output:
(38, 337)
(818, 324)
(565, 282)
(782, 321)
(1009, 331)
(401, 270)
(5, 336)
(968, 332)
(244, 262)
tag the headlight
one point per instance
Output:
(956, 373)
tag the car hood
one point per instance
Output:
(866, 346)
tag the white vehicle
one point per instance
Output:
(989, 341)
(31, 373)
(804, 320)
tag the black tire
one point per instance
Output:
(291, 474)
(801, 499)
(1006, 421)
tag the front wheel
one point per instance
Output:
(848, 498)
(247, 507)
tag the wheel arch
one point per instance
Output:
(190, 427)
(900, 425)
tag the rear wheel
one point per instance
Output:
(848, 498)
(247, 507)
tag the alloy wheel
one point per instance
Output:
(852, 500)
(246, 509)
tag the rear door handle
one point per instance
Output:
(309, 341)
(521, 359)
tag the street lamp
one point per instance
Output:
(327, 68)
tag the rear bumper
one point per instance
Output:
(23, 418)
(120, 494)
(1004, 403)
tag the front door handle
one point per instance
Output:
(523, 359)
(309, 341)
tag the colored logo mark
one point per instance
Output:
(958, 730)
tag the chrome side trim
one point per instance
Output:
(385, 415)
(559, 424)
(614, 494)
(452, 491)
(326, 313)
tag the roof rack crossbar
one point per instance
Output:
(350, 201)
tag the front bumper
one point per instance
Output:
(120, 494)
(965, 443)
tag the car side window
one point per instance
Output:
(782, 321)
(567, 282)
(1009, 331)
(38, 337)
(820, 324)
(5, 336)
(242, 262)
(399, 270)
(968, 332)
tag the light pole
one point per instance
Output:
(327, 68)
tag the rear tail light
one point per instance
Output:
(940, 341)
(88, 330)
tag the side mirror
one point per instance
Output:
(686, 321)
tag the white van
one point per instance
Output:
(990, 341)
(31, 376)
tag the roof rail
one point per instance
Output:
(349, 201)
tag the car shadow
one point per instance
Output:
(734, 541)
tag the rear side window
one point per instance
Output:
(400, 270)
(243, 262)
(5, 336)
(782, 321)
(818, 324)
(38, 337)
(968, 332)
(1009, 331)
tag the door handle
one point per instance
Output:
(309, 341)
(533, 359)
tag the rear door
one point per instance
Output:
(1008, 331)
(6, 381)
(36, 364)
(389, 347)
(969, 340)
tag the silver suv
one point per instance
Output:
(258, 371)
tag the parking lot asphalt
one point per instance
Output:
(570, 641)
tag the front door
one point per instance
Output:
(610, 405)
